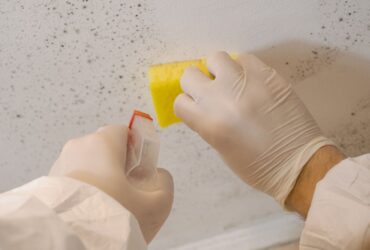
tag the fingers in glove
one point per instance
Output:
(188, 110)
(255, 66)
(194, 82)
(165, 181)
(221, 64)
(117, 135)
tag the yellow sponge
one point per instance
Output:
(165, 87)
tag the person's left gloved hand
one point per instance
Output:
(99, 160)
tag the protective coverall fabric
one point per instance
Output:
(62, 213)
(339, 216)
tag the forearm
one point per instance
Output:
(321, 162)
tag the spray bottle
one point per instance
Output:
(142, 152)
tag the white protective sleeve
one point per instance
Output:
(62, 213)
(339, 217)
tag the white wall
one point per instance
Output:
(68, 68)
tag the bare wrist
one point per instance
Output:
(299, 199)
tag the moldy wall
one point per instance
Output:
(69, 67)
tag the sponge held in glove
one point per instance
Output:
(165, 87)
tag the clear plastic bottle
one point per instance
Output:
(142, 151)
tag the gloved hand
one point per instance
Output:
(253, 118)
(99, 160)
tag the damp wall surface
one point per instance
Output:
(69, 67)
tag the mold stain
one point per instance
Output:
(70, 67)
(353, 136)
(344, 24)
(319, 59)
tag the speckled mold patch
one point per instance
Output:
(67, 67)
(353, 136)
(343, 24)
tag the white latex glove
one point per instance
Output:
(99, 160)
(253, 118)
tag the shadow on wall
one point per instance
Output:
(335, 86)
(298, 60)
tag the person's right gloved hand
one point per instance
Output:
(99, 159)
(253, 118)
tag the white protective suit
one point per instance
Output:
(339, 216)
(61, 213)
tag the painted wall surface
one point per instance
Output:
(68, 67)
